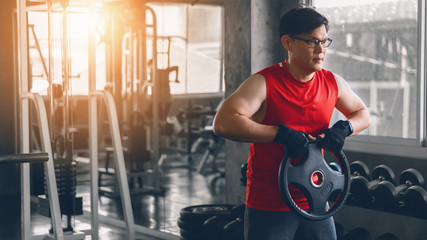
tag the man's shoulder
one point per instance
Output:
(270, 69)
(325, 73)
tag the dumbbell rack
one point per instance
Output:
(378, 221)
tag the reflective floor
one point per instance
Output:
(183, 186)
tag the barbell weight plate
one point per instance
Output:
(335, 166)
(205, 211)
(317, 181)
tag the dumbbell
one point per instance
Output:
(358, 168)
(358, 234)
(340, 230)
(361, 188)
(388, 197)
(415, 201)
(387, 236)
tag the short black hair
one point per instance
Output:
(302, 20)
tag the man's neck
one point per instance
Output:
(298, 74)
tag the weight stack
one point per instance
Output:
(70, 205)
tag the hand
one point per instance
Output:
(294, 141)
(333, 138)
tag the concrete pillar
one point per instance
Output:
(266, 46)
(237, 67)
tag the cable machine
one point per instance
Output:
(55, 114)
(132, 49)
(56, 130)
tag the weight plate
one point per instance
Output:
(203, 212)
(317, 181)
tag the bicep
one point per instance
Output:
(248, 98)
(348, 102)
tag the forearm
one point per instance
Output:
(241, 128)
(360, 120)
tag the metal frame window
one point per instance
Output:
(196, 45)
(408, 88)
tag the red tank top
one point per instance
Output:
(303, 106)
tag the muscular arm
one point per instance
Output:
(352, 106)
(239, 116)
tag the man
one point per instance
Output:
(278, 110)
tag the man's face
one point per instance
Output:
(308, 59)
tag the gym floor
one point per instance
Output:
(183, 187)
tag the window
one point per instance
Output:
(189, 38)
(376, 50)
(77, 51)
(195, 35)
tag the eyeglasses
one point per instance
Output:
(313, 43)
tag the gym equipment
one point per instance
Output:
(316, 180)
(335, 166)
(214, 226)
(205, 211)
(238, 211)
(33, 158)
(194, 234)
(358, 234)
(228, 226)
(215, 146)
(361, 187)
(234, 230)
(243, 170)
(24, 158)
(388, 197)
(193, 218)
(340, 230)
(387, 236)
(358, 168)
(217, 184)
(51, 185)
(415, 201)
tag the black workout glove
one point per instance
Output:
(294, 141)
(335, 136)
